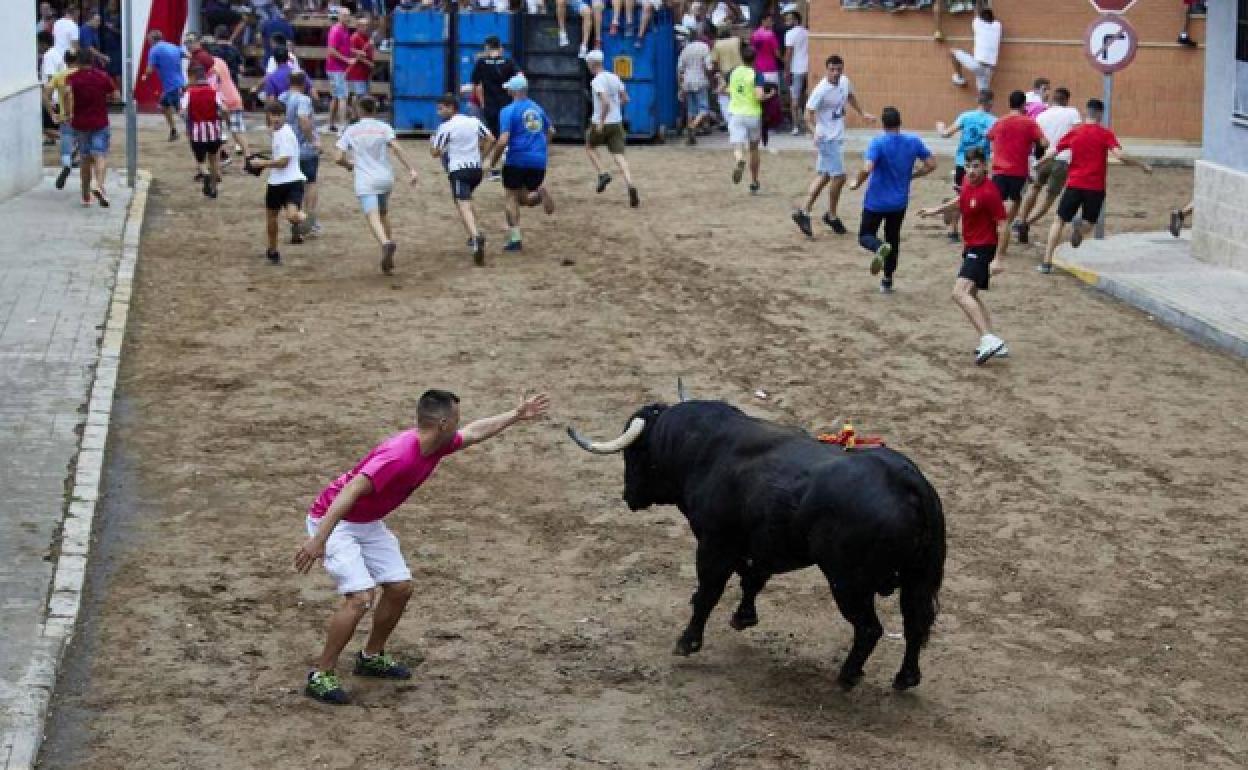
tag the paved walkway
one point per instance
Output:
(1157, 273)
(58, 262)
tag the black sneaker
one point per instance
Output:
(514, 246)
(65, 170)
(1176, 216)
(886, 286)
(326, 688)
(274, 256)
(211, 192)
(1044, 268)
(802, 220)
(207, 186)
(1024, 231)
(1185, 39)
(835, 223)
(604, 179)
(634, 200)
(173, 134)
(755, 187)
(200, 176)
(691, 139)
(387, 256)
(296, 233)
(954, 237)
(381, 666)
(478, 250)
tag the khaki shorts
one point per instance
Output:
(611, 134)
(1052, 174)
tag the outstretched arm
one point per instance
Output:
(531, 408)
(853, 102)
(863, 173)
(1127, 160)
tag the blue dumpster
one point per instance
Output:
(471, 30)
(649, 74)
(419, 73)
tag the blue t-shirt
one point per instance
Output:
(974, 125)
(88, 37)
(166, 59)
(894, 155)
(527, 124)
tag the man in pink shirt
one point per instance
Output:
(337, 59)
(345, 527)
(766, 50)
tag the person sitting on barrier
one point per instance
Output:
(590, 12)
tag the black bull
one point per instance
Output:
(763, 499)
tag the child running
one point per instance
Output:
(364, 147)
(203, 107)
(459, 143)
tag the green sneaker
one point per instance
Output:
(380, 665)
(326, 687)
(882, 253)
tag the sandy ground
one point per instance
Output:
(1093, 607)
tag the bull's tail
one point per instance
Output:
(925, 569)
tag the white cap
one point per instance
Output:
(788, 8)
(595, 56)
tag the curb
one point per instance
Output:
(65, 598)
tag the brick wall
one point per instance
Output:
(892, 59)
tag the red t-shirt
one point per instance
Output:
(202, 104)
(982, 210)
(91, 88)
(1089, 145)
(361, 70)
(1012, 138)
(203, 59)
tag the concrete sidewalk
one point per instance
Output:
(1157, 273)
(60, 339)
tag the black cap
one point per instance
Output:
(493, 42)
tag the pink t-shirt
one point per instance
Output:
(396, 467)
(340, 41)
(766, 47)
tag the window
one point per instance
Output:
(1241, 62)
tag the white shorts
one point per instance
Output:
(362, 556)
(238, 123)
(743, 129)
(981, 71)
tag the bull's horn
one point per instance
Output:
(635, 427)
(681, 393)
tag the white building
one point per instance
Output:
(21, 132)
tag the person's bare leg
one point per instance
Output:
(170, 115)
(1011, 212)
(561, 16)
(84, 175)
(834, 194)
(343, 622)
(1049, 199)
(967, 298)
(622, 162)
(310, 198)
(591, 24)
(815, 190)
(592, 152)
(938, 33)
(647, 12)
(100, 171)
(1029, 203)
(384, 216)
(270, 226)
(468, 217)
(1055, 235)
(376, 227)
(394, 598)
(957, 67)
(755, 162)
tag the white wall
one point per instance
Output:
(20, 132)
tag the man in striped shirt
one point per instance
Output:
(203, 107)
(459, 142)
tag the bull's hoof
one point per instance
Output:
(906, 679)
(849, 679)
(687, 646)
(743, 620)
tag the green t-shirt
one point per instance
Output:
(743, 100)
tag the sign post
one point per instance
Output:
(127, 92)
(1110, 44)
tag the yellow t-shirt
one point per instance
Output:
(59, 88)
(742, 99)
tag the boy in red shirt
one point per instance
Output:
(984, 226)
(345, 527)
(362, 57)
(1090, 145)
(1013, 138)
(203, 107)
(90, 88)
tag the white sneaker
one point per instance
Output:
(563, 39)
(583, 52)
(958, 80)
(796, 132)
(989, 346)
(1004, 352)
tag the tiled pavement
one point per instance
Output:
(57, 267)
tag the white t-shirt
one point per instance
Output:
(293, 61)
(459, 139)
(721, 14)
(797, 40)
(693, 64)
(286, 145)
(53, 62)
(368, 140)
(1056, 122)
(64, 34)
(829, 101)
(608, 84)
(987, 40)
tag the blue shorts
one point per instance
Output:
(93, 143)
(357, 87)
(337, 84)
(371, 203)
(697, 102)
(578, 6)
(831, 157)
(172, 98)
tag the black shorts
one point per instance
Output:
(203, 150)
(278, 196)
(959, 173)
(310, 167)
(490, 119)
(976, 264)
(463, 182)
(48, 123)
(1011, 187)
(516, 178)
(1074, 199)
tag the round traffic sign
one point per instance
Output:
(1110, 43)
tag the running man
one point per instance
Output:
(607, 125)
(165, 59)
(526, 132)
(284, 193)
(58, 102)
(1055, 122)
(973, 127)
(1013, 138)
(90, 89)
(825, 115)
(300, 116)
(491, 70)
(745, 124)
(890, 165)
(346, 529)
(369, 142)
(1090, 146)
(987, 34)
(984, 224)
(458, 142)
(203, 107)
